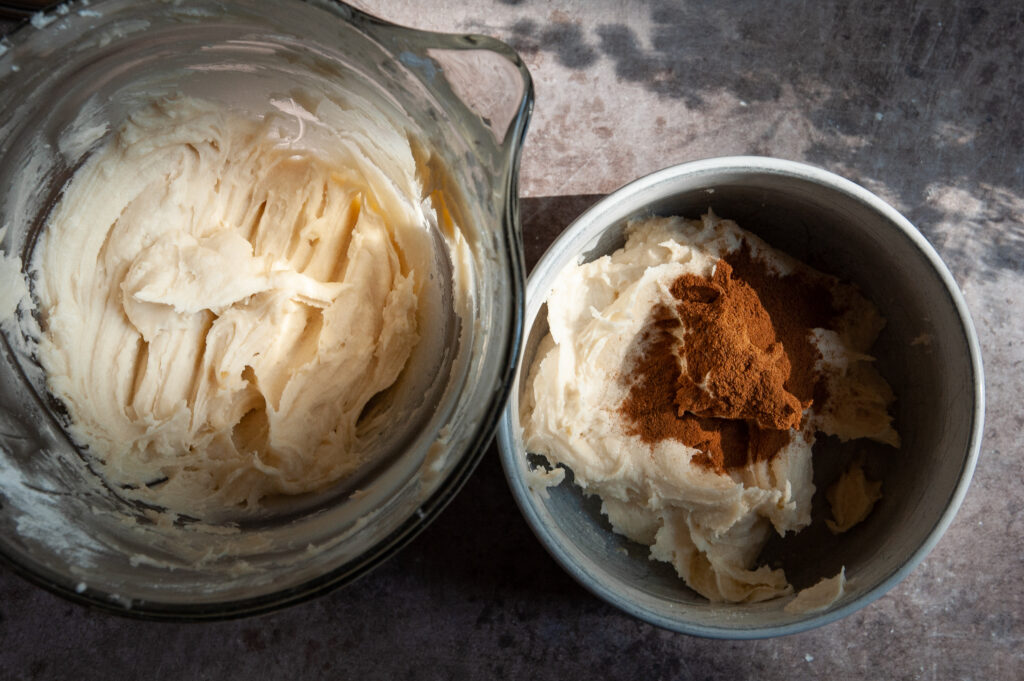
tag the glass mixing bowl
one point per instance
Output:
(463, 100)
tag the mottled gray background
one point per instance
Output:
(920, 102)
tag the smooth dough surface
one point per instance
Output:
(222, 295)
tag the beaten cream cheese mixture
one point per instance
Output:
(222, 295)
(690, 405)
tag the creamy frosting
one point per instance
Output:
(14, 290)
(709, 525)
(851, 498)
(818, 596)
(222, 295)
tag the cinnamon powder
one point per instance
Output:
(749, 361)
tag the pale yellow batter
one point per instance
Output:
(222, 294)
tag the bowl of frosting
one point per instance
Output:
(262, 294)
(750, 400)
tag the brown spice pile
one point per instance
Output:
(748, 356)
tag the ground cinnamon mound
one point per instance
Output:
(735, 365)
(748, 357)
(796, 303)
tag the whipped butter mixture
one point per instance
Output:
(221, 295)
(684, 380)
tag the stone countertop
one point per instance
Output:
(917, 100)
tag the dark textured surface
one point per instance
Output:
(920, 102)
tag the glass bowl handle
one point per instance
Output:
(483, 75)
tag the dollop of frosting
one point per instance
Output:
(685, 393)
